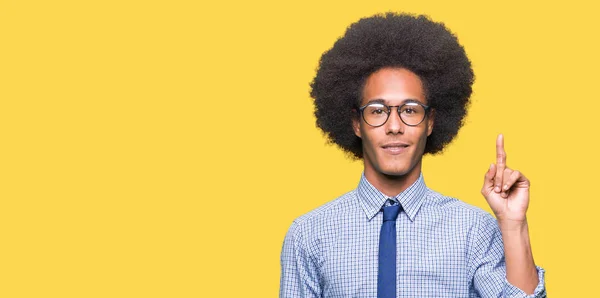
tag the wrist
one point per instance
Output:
(513, 226)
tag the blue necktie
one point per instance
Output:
(386, 277)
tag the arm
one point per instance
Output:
(490, 266)
(299, 275)
(507, 193)
(520, 267)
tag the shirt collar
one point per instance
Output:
(372, 200)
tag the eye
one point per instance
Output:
(376, 110)
(411, 110)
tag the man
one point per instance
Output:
(393, 88)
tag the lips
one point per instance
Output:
(395, 148)
(399, 144)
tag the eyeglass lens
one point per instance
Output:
(376, 114)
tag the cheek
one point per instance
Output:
(419, 135)
(424, 137)
(368, 140)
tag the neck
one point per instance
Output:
(391, 185)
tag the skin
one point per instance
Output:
(388, 172)
(391, 172)
(507, 193)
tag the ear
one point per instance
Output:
(430, 121)
(356, 123)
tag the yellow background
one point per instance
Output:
(163, 148)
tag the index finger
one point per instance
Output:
(500, 163)
(500, 154)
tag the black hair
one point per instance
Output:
(416, 43)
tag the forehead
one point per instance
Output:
(393, 86)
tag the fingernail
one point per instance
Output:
(497, 189)
(505, 186)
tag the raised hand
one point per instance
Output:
(506, 190)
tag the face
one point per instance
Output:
(393, 149)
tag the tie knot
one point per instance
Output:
(391, 212)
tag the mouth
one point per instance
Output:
(395, 148)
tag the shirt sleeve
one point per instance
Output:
(299, 273)
(488, 266)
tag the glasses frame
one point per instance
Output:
(389, 112)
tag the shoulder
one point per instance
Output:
(324, 216)
(476, 225)
(329, 209)
(456, 208)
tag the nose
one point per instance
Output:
(394, 124)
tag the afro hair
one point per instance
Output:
(416, 43)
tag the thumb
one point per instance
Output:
(488, 182)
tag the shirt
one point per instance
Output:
(445, 248)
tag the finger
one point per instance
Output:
(500, 162)
(511, 180)
(488, 181)
(507, 183)
(522, 181)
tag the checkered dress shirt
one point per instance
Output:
(446, 248)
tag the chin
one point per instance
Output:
(394, 172)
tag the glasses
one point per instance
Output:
(377, 114)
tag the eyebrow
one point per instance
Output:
(383, 101)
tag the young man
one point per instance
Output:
(393, 88)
